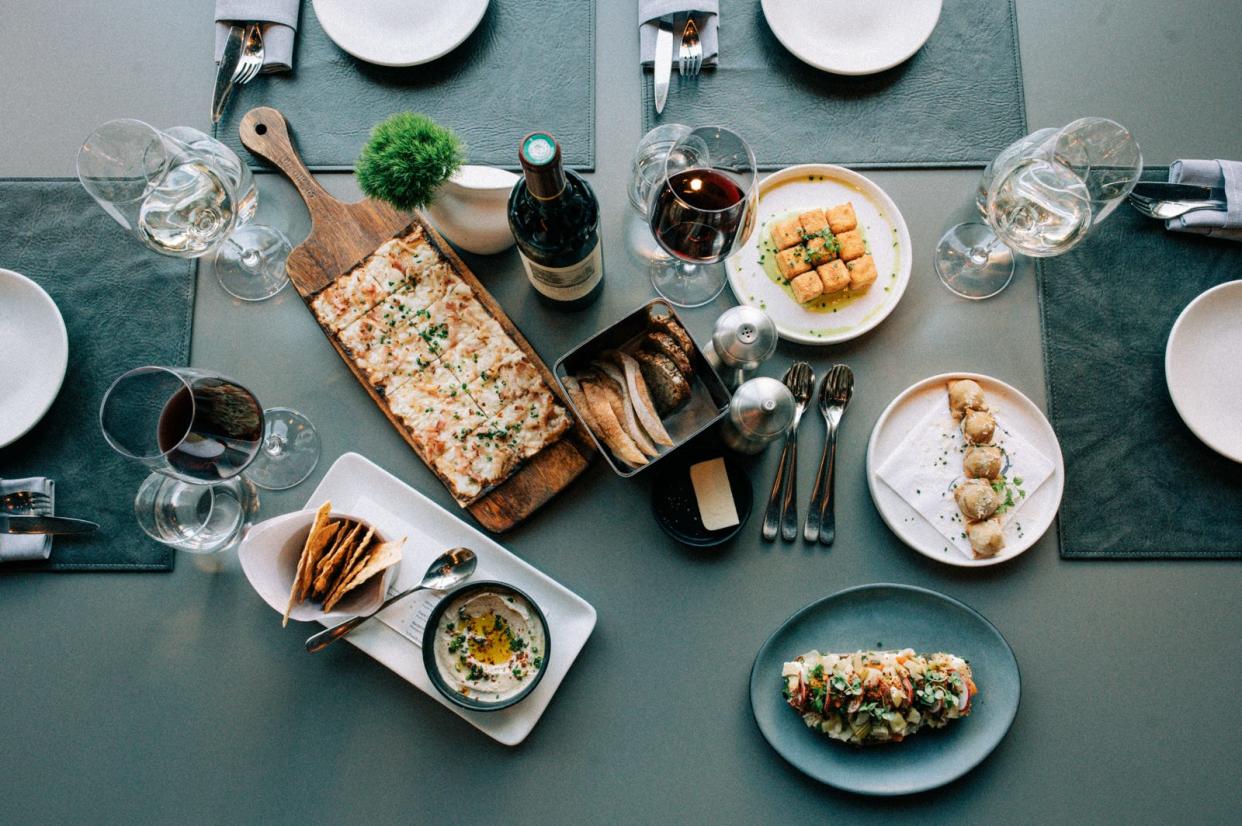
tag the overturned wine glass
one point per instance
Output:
(185, 194)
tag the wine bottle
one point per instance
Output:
(554, 216)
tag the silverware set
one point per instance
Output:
(1164, 201)
(689, 55)
(240, 64)
(28, 512)
(781, 516)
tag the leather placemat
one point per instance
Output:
(124, 306)
(957, 102)
(528, 66)
(1138, 483)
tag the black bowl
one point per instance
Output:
(429, 653)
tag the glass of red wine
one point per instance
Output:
(703, 209)
(210, 444)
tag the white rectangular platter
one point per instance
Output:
(359, 487)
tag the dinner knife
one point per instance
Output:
(1159, 191)
(224, 74)
(663, 66)
(47, 525)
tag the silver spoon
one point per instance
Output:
(448, 570)
(782, 512)
(834, 396)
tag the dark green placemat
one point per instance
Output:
(957, 102)
(1138, 484)
(528, 66)
(124, 306)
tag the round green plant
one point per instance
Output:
(407, 158)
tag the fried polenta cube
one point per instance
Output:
(851, 245)
(792, 262)
(820, 250)
(841, 218)
(806, 287)
(834, 276)
(862, 272)
(787, 234)
(813, 221)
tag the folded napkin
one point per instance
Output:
(26, 547)
(706, 14)
(281, 19)
(927, 466)
(1226, 175)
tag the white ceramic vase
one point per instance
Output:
(471, 209)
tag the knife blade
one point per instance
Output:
(1177, 192)
(52, 525)
(224, 74)
(663, 66)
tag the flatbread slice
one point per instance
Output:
(327, 568)
(301, 575)
(382, 556)
(353, 563)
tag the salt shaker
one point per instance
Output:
(761, 410)
(744, 338)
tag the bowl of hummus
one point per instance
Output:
(486, 646)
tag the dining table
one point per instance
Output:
(178, 697)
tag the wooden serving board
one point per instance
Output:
(341, 236)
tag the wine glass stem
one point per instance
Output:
(981, 253)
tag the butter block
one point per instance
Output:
(714, 494)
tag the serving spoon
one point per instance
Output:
(449, 569)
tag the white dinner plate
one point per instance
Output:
(399, 32)
(852, 37)
(906, 411)
(34, 352)
(1204, 371)
(803, 187)
(359, 487)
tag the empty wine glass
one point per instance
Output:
(702, 209)
(200, 519)
(199, 427)
(1040, 197)
(184, 194)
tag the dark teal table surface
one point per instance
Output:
(178, 698)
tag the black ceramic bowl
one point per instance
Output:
(429, 651)
(676, 509)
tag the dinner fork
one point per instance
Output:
(690, 57)
(252, 56)
(834, 396)
(782, 512)
(1164, 210)
(26, 501)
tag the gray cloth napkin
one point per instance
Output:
(706, 15)
(281, 19)
(26, 547)
(1226, 175)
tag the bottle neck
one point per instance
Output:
(546, 182)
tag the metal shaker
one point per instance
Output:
(760, 412)
(744, 338)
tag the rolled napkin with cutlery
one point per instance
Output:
(280, 24)
(706, 17)
(1226, 175)
(14, 547)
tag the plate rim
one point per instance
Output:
(63, 367)
(485, 5)
(823, 67)
(899, 586)
(899, 224)
(958, 560)
(1227, 451)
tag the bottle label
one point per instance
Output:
(567, 283)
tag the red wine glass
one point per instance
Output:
(703, 209)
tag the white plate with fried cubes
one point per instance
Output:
(836, 317)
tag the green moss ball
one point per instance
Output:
(407, 158)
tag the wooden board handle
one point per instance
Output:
(265, 132)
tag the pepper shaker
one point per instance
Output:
(760, 411)
(744, 338)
